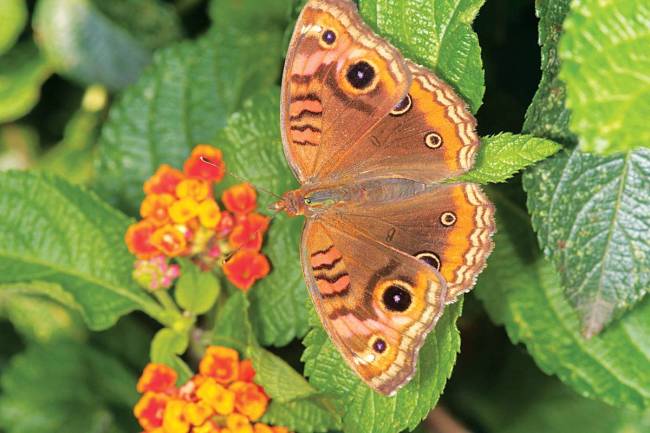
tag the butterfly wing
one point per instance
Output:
(340, 80)
(449, 226)
(429, 136)
(376, 303)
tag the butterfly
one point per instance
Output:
(372, 136)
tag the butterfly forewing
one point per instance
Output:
(340, 80)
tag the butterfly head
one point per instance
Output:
(292, 202)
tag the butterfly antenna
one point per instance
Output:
(236, 176)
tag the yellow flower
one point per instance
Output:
(217, 397)
(239, 424)
(262, 428)
(197, 413)
(173, 421)
(183, 210)
(209, 214)
(197, 189)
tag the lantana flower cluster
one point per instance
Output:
(181, 218)
(221, 398)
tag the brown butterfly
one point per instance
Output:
(371, 137)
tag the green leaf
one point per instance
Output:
(166, 347)
(305, 415)
(435, 34)
(65, 387)
(250, 14)
(252, 149)
(280, 381)
(591, 215)
(233, 328)
(547, 116)
(102, 42)
(181, 101)
(196, 291)
(13, 16)
(22, 72)
(54, 232)
(606, 68)
(501, 156)
(365, 410)
(41, 311)
(523, 292)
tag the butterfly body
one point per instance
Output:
(387, 243)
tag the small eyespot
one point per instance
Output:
(448, 219)
(328, 37)
(430, 258)
(433, 140)
(307, 200)
(379, 345)
(360, 75)
(403, 106)
(396, 298)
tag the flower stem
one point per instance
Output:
(167, 302)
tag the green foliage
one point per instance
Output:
(435, 34)
(54, 232)
(166, 347)
(196, 291)
(606, 68)
(233, 328)
(86, 44)
(522, 291)
(66, 387)
(501, 156)
(365, 410)
(13, 16)
(250, 14)
(591, 215)
(22, 72)
(182, 100)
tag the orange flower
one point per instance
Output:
(164, 181)
(196, 168)
(197, 413)
(249, 232)
(226, 223)
(138, 240)
(173, 420)
(155, 208)
(183, 210)
(217, 397)
(239, 424)
(277, 429)
(169, 240)
(208, 427)
(245, 267)
(250, 399)
(157, 378)
(221, 363)
(150, 409)
(209, 214)
(262, 428)
(240, 199)
(246, 371)
(197, 189)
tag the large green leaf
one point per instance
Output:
(66, 387)
(253, 150)
(103, 42)
(54, 232)
(606, 68)
(502, 155)
(250, 14)
(587, 210)
(13, 16)
(592, 216)
(364, 410)
(522, 291)
(304, 415)
(181, 101)
(22, 72)
(437, 34)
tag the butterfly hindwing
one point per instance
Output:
(340, 79)
(376, 303)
